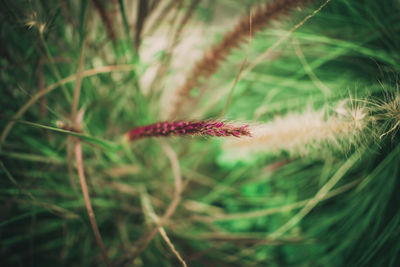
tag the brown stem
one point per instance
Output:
(88, 204)
(76, 120)
(78, 82)
(74, 108)
(70, 166)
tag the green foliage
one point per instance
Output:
(334, 204)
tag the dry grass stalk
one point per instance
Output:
(77, 118)
(74, 110)
(212, 59)
(89, 208)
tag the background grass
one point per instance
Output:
(333, 205)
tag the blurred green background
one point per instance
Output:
(316, 186)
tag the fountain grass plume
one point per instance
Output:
(216, 128)
(301, 133)
(388, 112)
(218, 53)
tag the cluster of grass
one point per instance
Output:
(77, 75)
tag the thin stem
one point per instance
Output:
(74, 109)
(175, 201)
(150, 211)
(171, 208)
(78, 83)
(55, 71)
(322, 193)
(267, 53)
(241, 68)
(76, 120)
(88, 204)
(70, 166)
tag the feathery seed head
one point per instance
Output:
(388, 112)
(200, 128)
(300, 133)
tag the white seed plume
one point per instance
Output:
(299, 133)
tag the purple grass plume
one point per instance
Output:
(178, 128)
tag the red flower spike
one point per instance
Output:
(200, 128)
